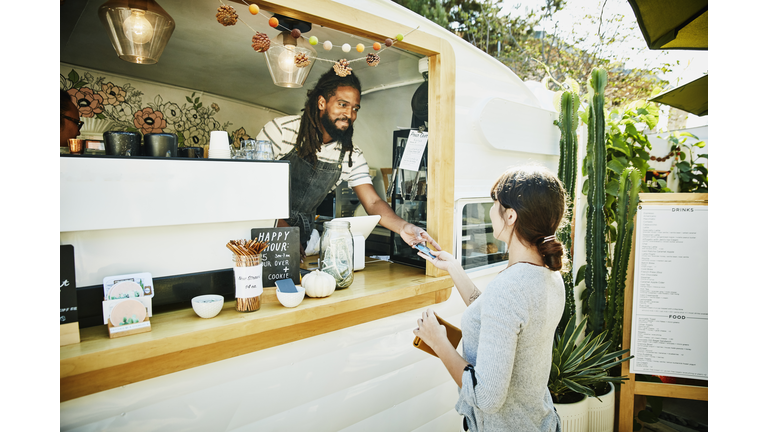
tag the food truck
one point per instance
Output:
(342, 362)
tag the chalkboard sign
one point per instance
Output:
(67, 293)
(281, 258)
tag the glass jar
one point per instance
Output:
(336, 252)
(248, 282)
(263, 150)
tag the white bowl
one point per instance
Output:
(290, 300)
(207, 306)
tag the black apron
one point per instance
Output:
(310, 185)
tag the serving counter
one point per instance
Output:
(181, 340)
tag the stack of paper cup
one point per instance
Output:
(219, 147)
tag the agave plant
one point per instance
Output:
(580, 367)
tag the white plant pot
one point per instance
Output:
(574, 416)
(601, 413)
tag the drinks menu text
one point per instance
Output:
(670, 315)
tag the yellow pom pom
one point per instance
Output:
(360, 48)
(253, 9)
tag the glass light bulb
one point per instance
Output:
(137, 28)
(286, 59)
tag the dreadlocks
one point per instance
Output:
(310, 139)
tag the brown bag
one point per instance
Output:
(454, 336)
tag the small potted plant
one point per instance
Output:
(578, 370)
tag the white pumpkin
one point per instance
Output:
(318, 284)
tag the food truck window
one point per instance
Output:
(475, 242)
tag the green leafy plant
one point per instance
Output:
(692, 174)
(578, 368)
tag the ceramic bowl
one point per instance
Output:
(207, 306)
(290, 300)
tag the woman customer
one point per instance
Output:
(508, 328)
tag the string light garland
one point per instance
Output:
(260, 42)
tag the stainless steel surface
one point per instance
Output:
(119, 143)
(161, 145)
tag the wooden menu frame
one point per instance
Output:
(631, 387)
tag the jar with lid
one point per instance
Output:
(336, 252)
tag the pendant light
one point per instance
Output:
(138, 29)
(283, 50)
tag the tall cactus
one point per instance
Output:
(566, 171)
(629, 190)
(593, 297)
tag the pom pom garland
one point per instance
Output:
(301, 60)
(226, 15)
(372, 59)
(342, 68)
(260, 42)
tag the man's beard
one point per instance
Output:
(336, 134)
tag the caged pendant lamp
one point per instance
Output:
(138, 29)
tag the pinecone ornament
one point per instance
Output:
(260, 42)
(226, 15)
(373, 59)
(301, 60)
(342, 68)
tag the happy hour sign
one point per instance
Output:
(67, 292)
(281, 258)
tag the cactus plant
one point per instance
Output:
(568, 123)
(593, 297)
(629, 189)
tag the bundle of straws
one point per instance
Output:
(247, 254)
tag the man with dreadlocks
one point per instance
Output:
(318, 143)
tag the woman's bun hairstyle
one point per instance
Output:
(538, 198)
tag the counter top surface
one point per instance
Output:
(180, 339)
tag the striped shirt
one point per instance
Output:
(283, 132)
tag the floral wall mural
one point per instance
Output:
(108, 103)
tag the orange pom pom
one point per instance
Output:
(376, 46)
(273, 22)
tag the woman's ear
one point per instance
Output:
(510, 216)
(320, 103)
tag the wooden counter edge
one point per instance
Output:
(99, 371)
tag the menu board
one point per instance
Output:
(281, 258)
(670, 312)
(414, 149)
(67, 292)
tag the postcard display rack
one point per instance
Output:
(665, 307)
(127, 304)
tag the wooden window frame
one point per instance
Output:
(442, 95)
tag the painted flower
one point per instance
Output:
(195, 137)
(215, 107)
(149, 121)
(211, 124)
(239, 135)
(86, 101)
(122, 113)
(173, 114)
(192, 117)
(112, 94)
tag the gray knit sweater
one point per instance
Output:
(507, 337)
